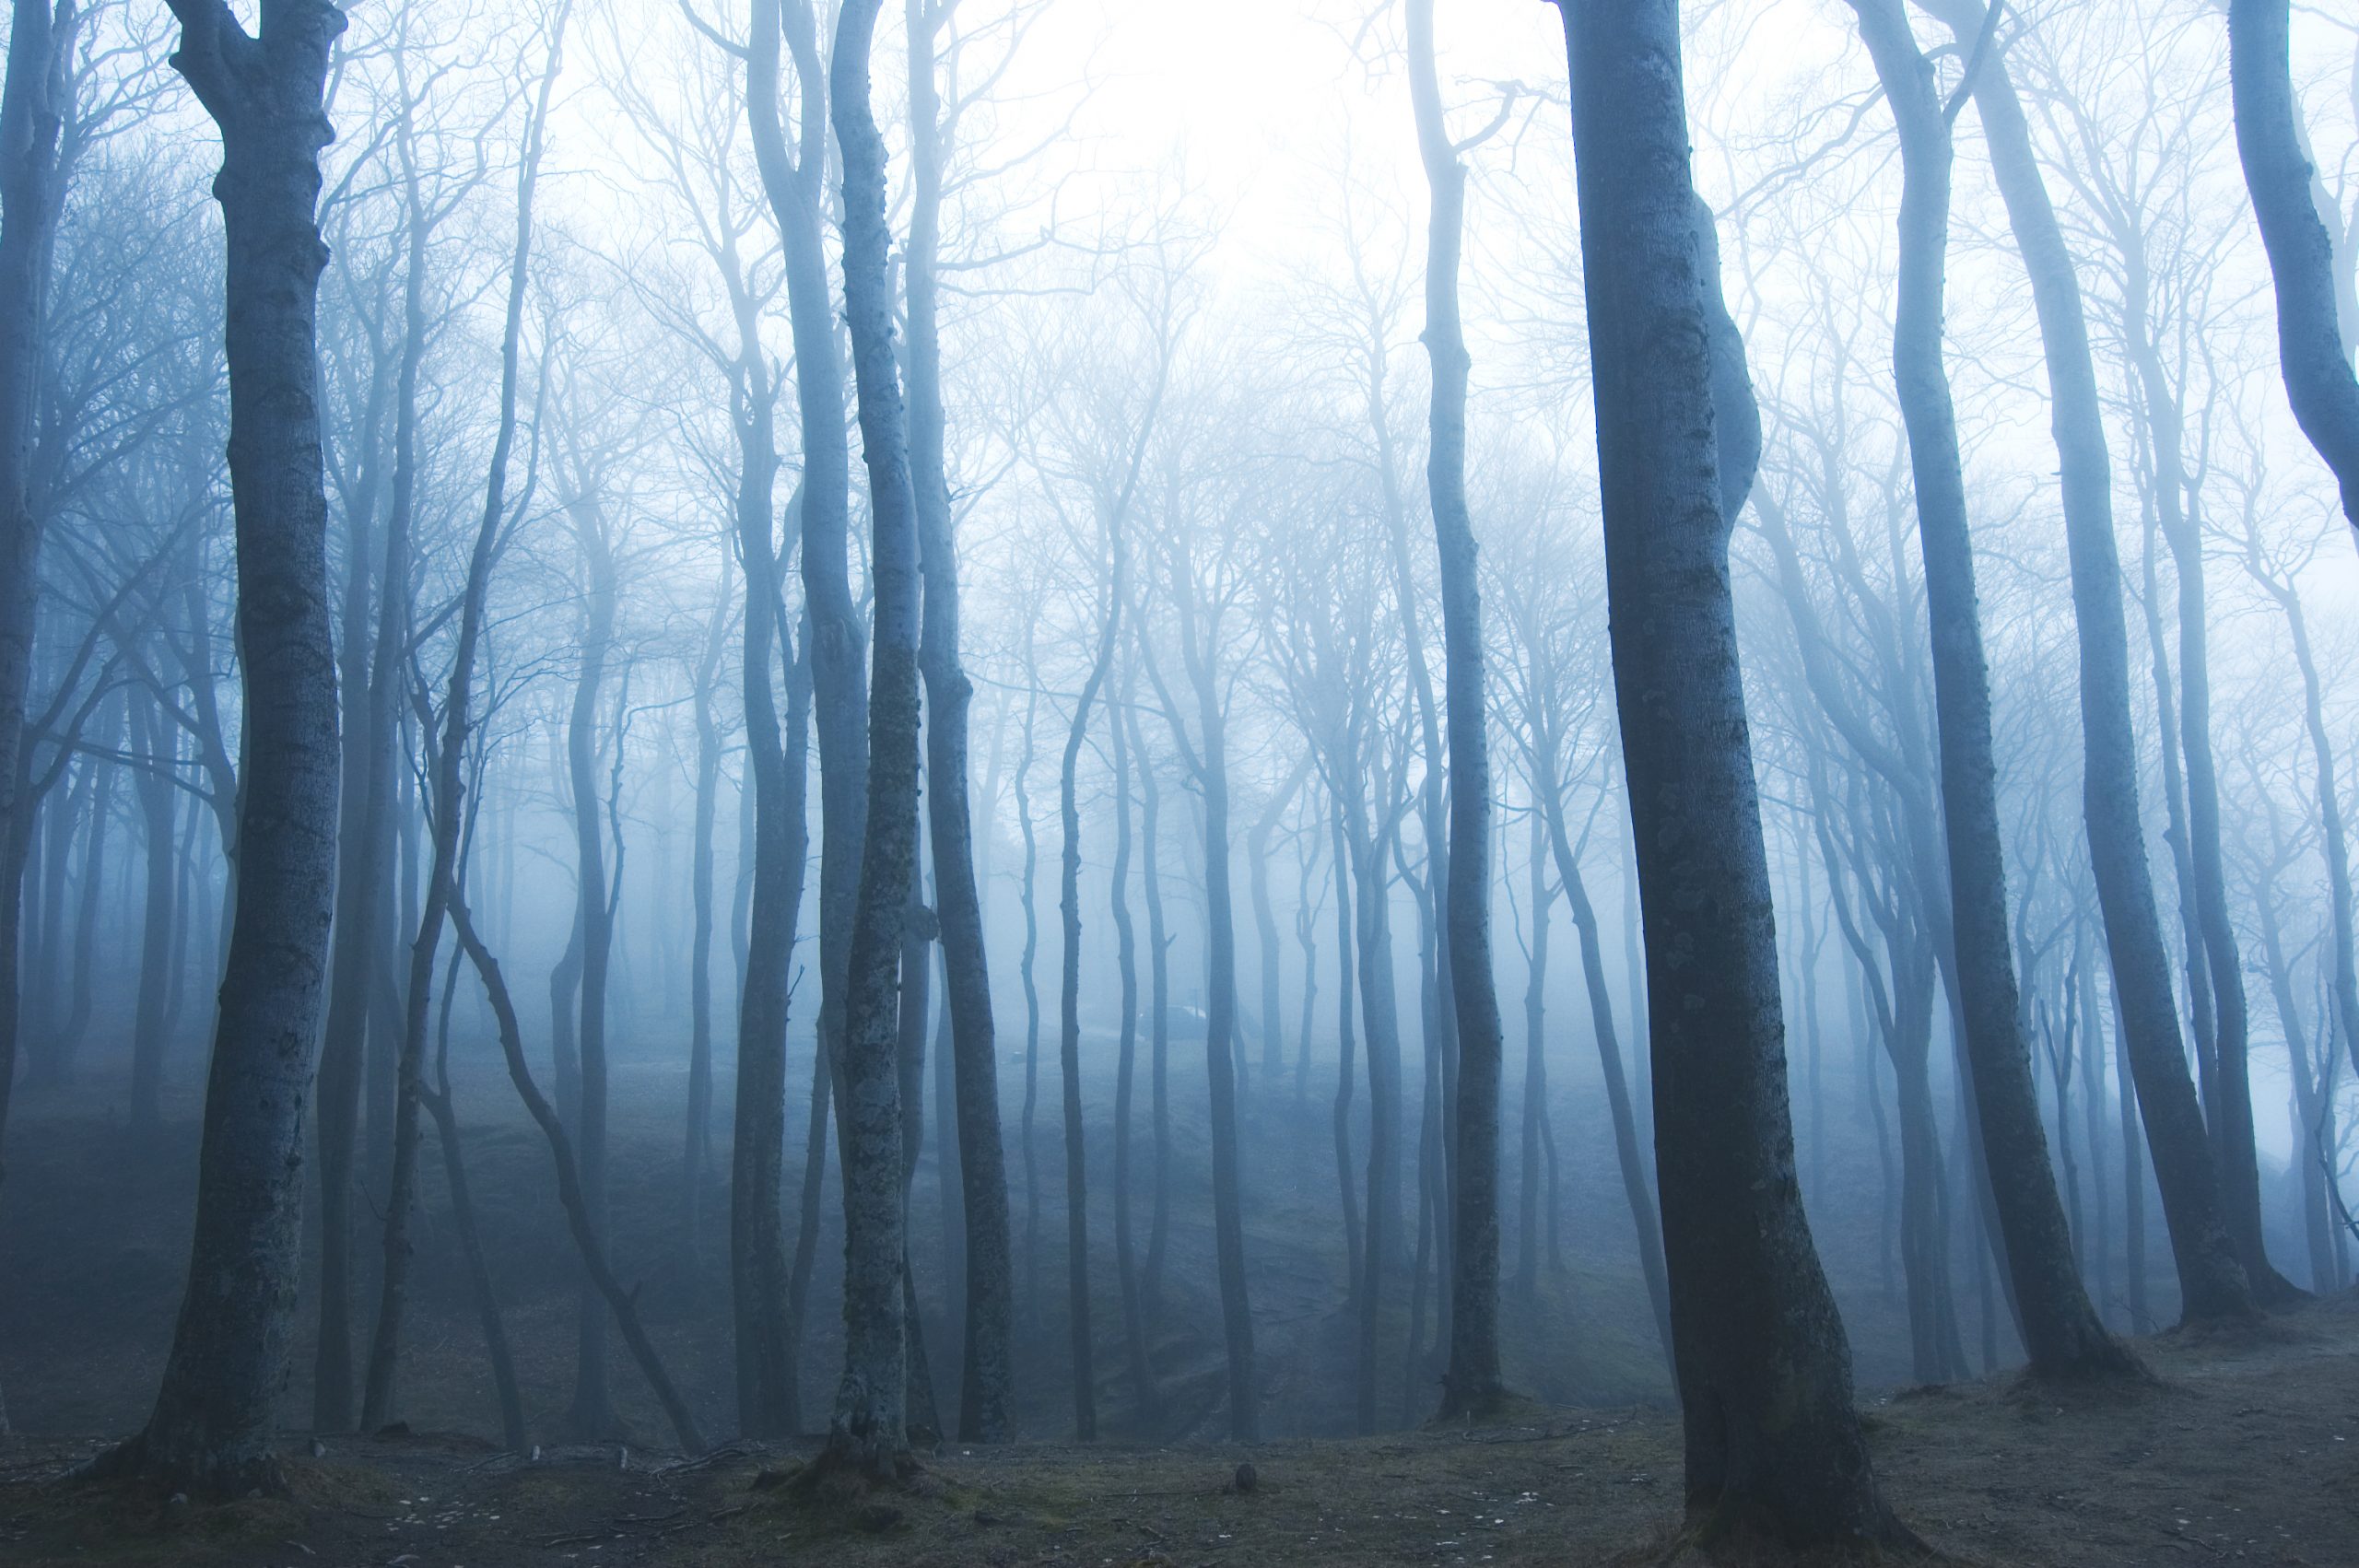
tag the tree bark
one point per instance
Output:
(2061, 1332)
(2212, 1282)
(868, 1432)
(2318, 379)
(985, 1376)
(1773, 1445)
(33, 190)
(211, 1428)
(1084, 1382)
(1472, 1384)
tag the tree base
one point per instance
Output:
(1734, 1535)
(217, 1477)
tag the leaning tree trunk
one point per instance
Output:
(211, 1427)
(1471, 1384)
(2061, 1332)
(2212, 1283)
(1773, 1443)
(868, 1430)
(985, 1378)
(2318, 379)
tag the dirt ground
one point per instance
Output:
(2246, 1450)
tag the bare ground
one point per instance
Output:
(2246, 1450)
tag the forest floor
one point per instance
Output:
(2245, 1449)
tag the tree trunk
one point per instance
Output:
(2061, 1330)
(1773, 1445)
(985, 1376)
(33, 104)
(763, 1304)
(868, 1432)
(160, 917)
(2319, 380)
(1085, 1386)
(1472, 1384)
(1354, 1279)
(1143, 1391)
(2212, 1282)
(211, 1427)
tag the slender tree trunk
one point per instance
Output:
(2212, 1282)
(1628, 1156)
(159, 920)
(1143, 1391)
(1028, 897)
(1085, 1386)
(868, 1432)
(987, 1321)
(1472, 1384)
(1265, 924)
(1354, 1279)
(211, 1427)
(1773, 1443)
(1371, 909)
(1535, 1069)
(441, 1106)
(696, 1152)
(2061, 1330)
(2318, 379)
(764, 1307)
(1158, 1012)
(622, 1302)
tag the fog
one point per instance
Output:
(979, 762)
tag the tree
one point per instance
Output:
(1773, 1445)
(1471, 1384)
(984, 1392)
(211, 1427)
(2318, 379)
(2060, 1329)
(867, 1434)
(2212, 1283)
(32, 110)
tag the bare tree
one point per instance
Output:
(1774, 1447)
(211, 1427)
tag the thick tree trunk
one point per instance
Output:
(2212, 1282)
(868, 1432)
(2061, 1330)
(1773, 1445)
(211, 1427)
(32, 109)
(2318, 379)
